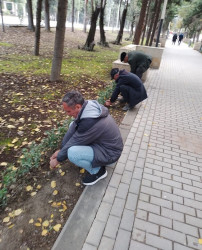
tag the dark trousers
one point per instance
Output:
(127, 95)
(139, 71)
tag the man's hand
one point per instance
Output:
(53, 163)
(54, 156)
(107, 103)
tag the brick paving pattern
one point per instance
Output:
(154, 198)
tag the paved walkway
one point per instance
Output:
(154, 197)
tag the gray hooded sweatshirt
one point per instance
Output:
(94, 127)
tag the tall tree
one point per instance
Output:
(73, 15)
(2, 20)
(59, 40)
(38, 26)
(89, 45)
(140, 24)
(101, 23)
(85, 16)
(30, 15)
(122, 24)
(151, 23)
(156, 19)
(145, 23)
(132, 28)
(47, 15)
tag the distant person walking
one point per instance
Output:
(180, 39)
(174, 39)
(138, 61)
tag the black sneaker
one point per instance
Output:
(91, 179)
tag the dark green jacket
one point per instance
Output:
(137, 59)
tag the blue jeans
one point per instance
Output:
(82, 156)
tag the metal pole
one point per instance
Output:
(161, 21)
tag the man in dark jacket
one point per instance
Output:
(93, 139)
(180, 39)
(139, 62)
(129, 86)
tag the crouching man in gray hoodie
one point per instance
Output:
(92, 141)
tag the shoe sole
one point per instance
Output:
(92, 183)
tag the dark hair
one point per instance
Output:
(123, 55)
(114, 72)
(72, 98)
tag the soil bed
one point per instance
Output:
(41, 201)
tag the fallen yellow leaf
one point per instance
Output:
(3, 164)
(37, 224)
(55, 192)
(57, 227)
(64, 207)
(52, 215)
(54, 204)
(33, 193)
(44, 232)
(53, 184)
(62, 174)
(11, 226)
(10, 126)
(12, 214)
(82, 171)
(31, 221)
(45, 223)
(14, 168)
(18, 212)
(77, 184)
(15, 140)
(6, 219)
(39, 219)
(38, 186)
(29, 188)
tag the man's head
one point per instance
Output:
(114, 72)
(72, 103)
(124, 57)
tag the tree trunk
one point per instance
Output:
(72, 15)
(122, 23)
(131, 29)
(47, 15)
(30, 15)
(151, 24)
(38, 26)
(89, 45)
(118, 17)
(139, 27)
(145, 23)
(59, 40)
(101, 23)
(85, 16)
(2, 20)
(155, 21)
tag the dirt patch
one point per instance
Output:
(41, 201)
